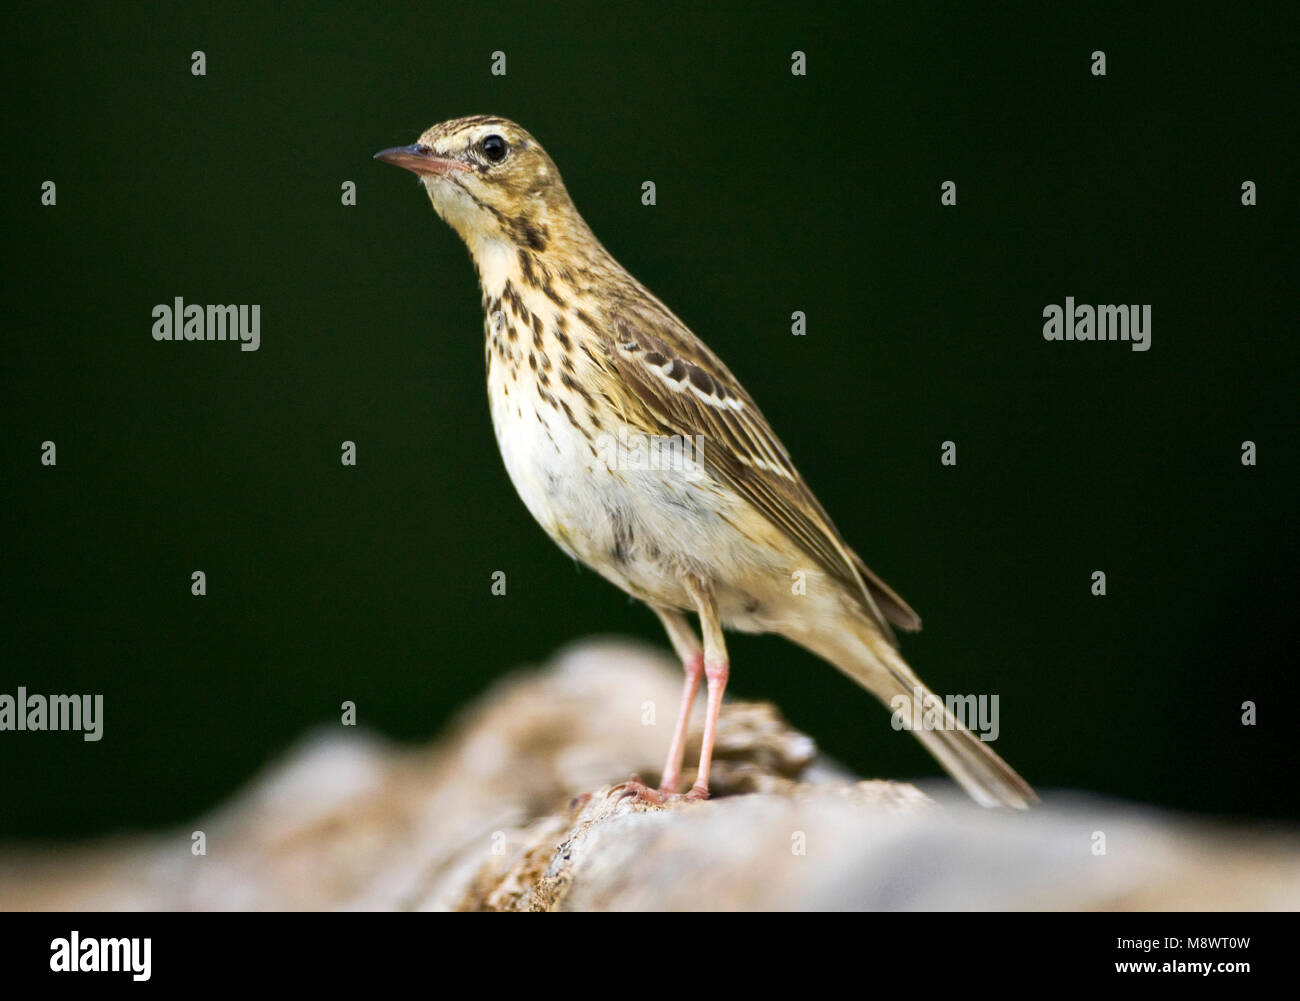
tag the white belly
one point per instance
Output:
(600, 515)
(548, 461)
(641, 521)
(639, 528)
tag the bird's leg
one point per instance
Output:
(715, 675)
(692, 656)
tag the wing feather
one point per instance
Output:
(681, 388)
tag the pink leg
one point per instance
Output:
(688, 649)
(677, 749)
(716, 675)
(716, 671)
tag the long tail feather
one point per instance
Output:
(867, 656)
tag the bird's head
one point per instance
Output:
(493, 183)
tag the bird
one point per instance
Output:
(644, 458)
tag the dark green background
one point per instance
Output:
(775, 193)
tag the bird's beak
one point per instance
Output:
(420, 160)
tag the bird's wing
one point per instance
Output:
(682, 388)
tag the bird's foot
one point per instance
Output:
(637, 789)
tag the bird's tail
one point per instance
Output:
(871, 660)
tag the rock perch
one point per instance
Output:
(519, 807)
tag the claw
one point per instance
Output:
(638, 789)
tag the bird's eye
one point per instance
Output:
(494, 148)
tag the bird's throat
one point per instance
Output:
(496, 262)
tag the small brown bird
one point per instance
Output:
(642, 456)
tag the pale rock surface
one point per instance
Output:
(520, 807)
